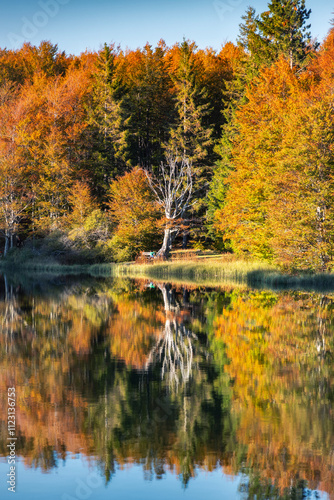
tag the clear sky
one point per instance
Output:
(77, 25)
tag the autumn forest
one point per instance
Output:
(206, 376)
(115, 152)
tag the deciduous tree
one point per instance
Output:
(173, 189)
(14, 195)
(135, 215)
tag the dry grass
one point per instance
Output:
(227, 270)
(210, 271)
(215, 270)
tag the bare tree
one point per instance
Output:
(173, 190)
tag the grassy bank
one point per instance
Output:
(213, 271)
(55, 268)
(203, 272)
(227, 270)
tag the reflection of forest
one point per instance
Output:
(280, 351)
(174, 379)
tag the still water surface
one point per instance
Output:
(137, 390)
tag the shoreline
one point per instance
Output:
(252, 274)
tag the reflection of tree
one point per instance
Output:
(139, 421)
(173, 347)
(282, 391)
(38, 354)
(254, 487)
(74, 397)
(175, 431)
(260, 400)
(10, 313)
(322, 320)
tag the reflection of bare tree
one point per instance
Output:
(11, 319)
(320, 342)
(174, 347)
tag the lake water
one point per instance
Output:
(137, 390)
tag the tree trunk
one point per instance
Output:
(324, 257)
(185, 239)
(6, 245)
(165, 249)
(6, 289)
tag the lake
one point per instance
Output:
(130, 389)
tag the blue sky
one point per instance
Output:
(77, 25)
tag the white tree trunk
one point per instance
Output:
(6, 245)
(173, 191)
(165, 249)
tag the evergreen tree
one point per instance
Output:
(212, 72)
(241, 71)
(107, 122)
(281, 30)
(189, 139)
(148, 104)
(217, 193)
(249, 36)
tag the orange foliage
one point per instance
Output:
(273, 354)
(134, 212)
(133, 331)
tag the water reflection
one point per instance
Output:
(173, 349)
(172, 379)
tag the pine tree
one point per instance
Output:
(107, 122)
(281, 30)
(216, 197)
(240, 72)
(213, 71)
(249, 36)
(189, 139)
(148, 104)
